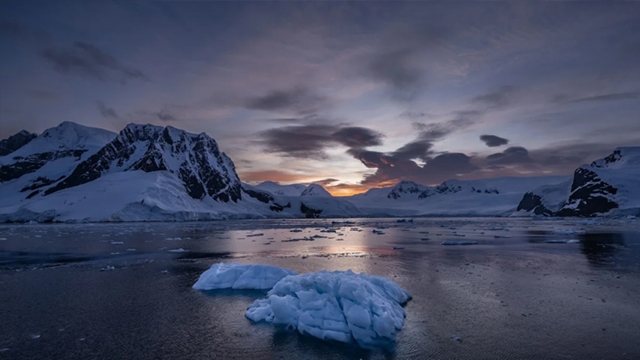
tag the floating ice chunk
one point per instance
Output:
(562, 241)
(340, 305)
(117, 243)
(239, 276)
(179, 250)
(459, 242)
(567, 231)
(3, 239)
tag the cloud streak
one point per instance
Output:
(105, 111)
(89, 61)
(310, 141)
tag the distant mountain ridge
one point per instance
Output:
(610, 184)
(151, 173)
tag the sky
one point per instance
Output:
(350, 95)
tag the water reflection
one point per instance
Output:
(600, 248)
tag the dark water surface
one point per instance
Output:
(554, 289)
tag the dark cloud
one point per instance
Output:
(414, 150)
(500, 98)
(105, 111)
(89, 61)
(449, 164)
(357, 137)
(397, 71)
(310, 141)
(511, 156)
(436, 170)
(298, 100)
(493, 140)
(165, 116)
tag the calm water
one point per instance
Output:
(558, 289)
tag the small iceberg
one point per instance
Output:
(239, 276)
(340, 306)
(567, 231)
(562, 241)
(453, 243)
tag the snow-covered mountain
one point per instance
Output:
(315, 190)
(47, 159)
(146, 172)
(277, 189)
(151, 173)
(15, 142)
(610, 185)
(498, 196)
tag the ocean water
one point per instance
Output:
(483, 288)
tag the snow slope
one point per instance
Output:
(499, 196)
(277, 189)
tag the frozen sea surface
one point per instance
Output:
(528, 289)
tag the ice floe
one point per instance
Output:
(340, 305)
(240, 276)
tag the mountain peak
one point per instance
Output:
(315, 190)
(195, 159)
(15, 142)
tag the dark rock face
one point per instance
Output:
(38, 183)
(259, 195)
(204, 170)
(603, 163)
(533, 202)
(278, 208)
(590, 195)
(308, 212)
(405, 187)
(31, 163)
(15, 142)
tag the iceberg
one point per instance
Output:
(339, 305)
(239, 276)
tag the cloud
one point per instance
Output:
(510, 156)
(607, 97)
(298, 100)
(165, 116)
(310, 141)
(414, 114)
(88, 60)
(493, 140)
(357, 137)
(396, 70)
(106, 111)
(500, 98)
